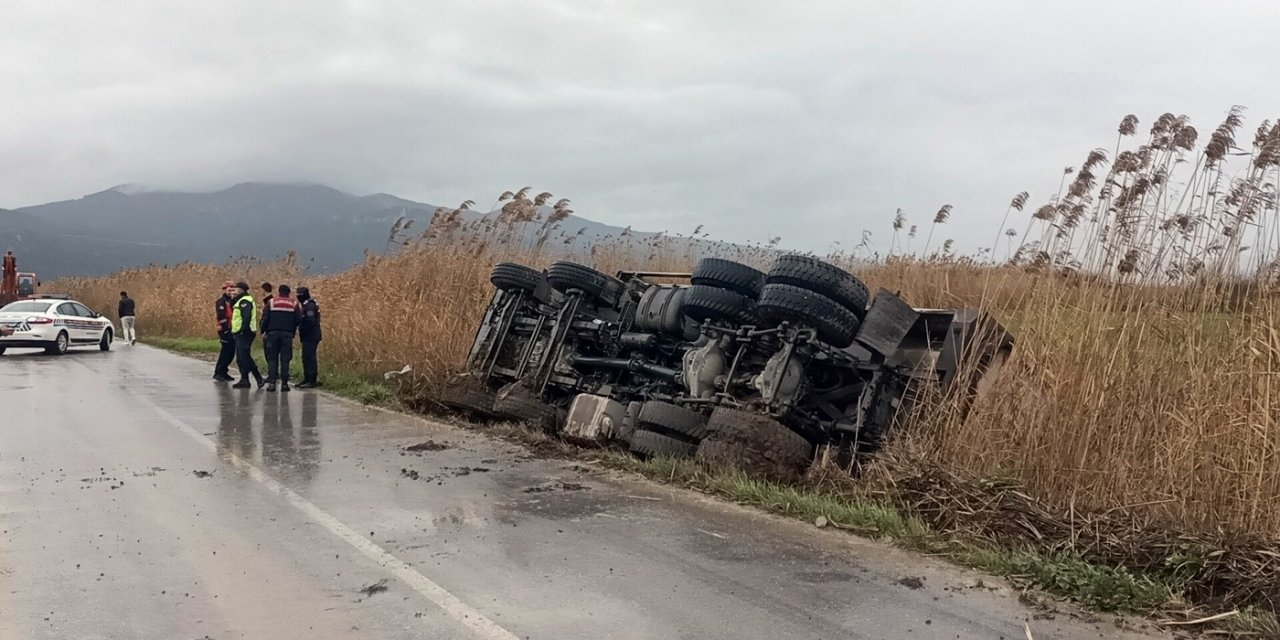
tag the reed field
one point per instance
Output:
(1145, 379)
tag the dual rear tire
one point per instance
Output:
(812, 293)
(667, 430)
(754, 443)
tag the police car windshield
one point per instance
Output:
(26, 307)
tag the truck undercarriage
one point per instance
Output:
(734, 365)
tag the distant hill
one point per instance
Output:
(327, 228)
(117, 228)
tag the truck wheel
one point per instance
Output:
(508, 276)
(650, 444)
(820, 277)
(564, 276)
(727, 274)
(835, 324)
(704, 303)
(672, 420)
(519, 405)
(754, 443)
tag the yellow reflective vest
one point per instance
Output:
(245, 307)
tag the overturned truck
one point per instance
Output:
(728, 363)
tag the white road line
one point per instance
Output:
(436, 594)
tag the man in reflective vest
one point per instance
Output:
(243, 323)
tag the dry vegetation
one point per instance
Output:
(1147, 371)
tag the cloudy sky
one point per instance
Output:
(807, 120)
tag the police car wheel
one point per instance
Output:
(1, 351)
(60, 345)
(105, 343)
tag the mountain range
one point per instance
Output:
(126, 227)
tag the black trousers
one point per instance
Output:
(279, 348)
(225, 355)
(310, 372)
(244, 356)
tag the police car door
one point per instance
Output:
(72, 321)
(93, 323)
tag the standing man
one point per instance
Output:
(243, 322)
(266, 344)
(309, 334)
(224, 310)
(10, 272)
(128, 316)
(279, 324)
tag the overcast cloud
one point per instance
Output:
(806, 120)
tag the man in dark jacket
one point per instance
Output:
(279, 324)
(127, 312)
(224, 308)
(309, 334)
(244, 320)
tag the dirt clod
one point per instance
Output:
(912, 582)
(557, 486)
(202, 474)
(429, 445)
(375, 588)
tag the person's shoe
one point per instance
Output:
(261, 383)
(222, 377)
(284, 386)
(243, 384)
(307, 385)
(271, 387)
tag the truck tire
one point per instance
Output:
(519, 405)
(565, 276)
(704, 302)
(727, 274)
(650, 444)
(835, 324)
(755, 443)
(672, 420)
(509, 276)
(822, 278)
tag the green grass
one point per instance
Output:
(364, 389)
(190, 346)
(1100, 587)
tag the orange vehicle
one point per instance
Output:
(15, 285)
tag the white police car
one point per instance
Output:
(54, 324)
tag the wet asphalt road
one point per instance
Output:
(138, 499)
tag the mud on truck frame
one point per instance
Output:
(734, 365)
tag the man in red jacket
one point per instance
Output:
(279, 324)
(224, 308)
